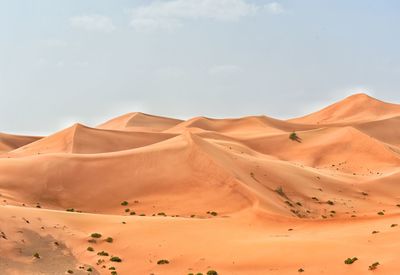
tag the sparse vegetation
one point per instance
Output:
(70, 210)
(114, 273)
(330, 202)
(161, 214)
(132, 213)
(300, 270)
(394, 225)
(350, 260)
(70, 271)
(36, 255)
(124, 203)
(96, 235)
(163, 262)
(373, 266)
(115, 259)
(89, 269)
(127, 210)
(212, 272)
(381, 213)
(91, 249)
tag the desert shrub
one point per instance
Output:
(373, 266)
(70, 271)
(289, 203)
(89, 269)
(115, 259)
(163, 262)
(127, 210)
(91, 249)
(299, 203)
(114, 273)
(212, 213)
(71, 210)
(124, 203)
(294, 136)
(374, 232)
(212, 272)
(142, 215)
(279, 191)
(300, 270)
(92, 241)
(111, 268)
(36, 255)
(102, 253)
(381, 213)
(350, 260)
(109, 240)
(161, 214)
(330, 202)
(132, 213)
(96, 235)
(393, 225)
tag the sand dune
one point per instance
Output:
(355, 108)
(10, 142)
(238, 196)
(140, 122)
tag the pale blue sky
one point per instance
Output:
(87, 61)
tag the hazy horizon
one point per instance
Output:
(185, 58)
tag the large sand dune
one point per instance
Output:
(237, 196)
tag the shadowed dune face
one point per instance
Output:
(233, 195)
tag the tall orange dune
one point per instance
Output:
(144, 194)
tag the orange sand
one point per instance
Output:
(280, 205)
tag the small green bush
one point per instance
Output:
(116, 259)
(114, 273)
(102, 253)
(293, 136)
(96, 235)
(127, 210)
(330, 202)
(36, 255)
(350, 260)
(89, 269)
(70, 271)
(91, 249)
(381, 213)
(109, 240)
(373, 266)
(212, 272)
(161, 214)
(132, 213)
(111, 268)
(163, 262)
(124, 203)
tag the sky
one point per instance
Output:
(67, 61)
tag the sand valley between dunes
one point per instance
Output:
(143, 194)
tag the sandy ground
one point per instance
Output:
(237, 196)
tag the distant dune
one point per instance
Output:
(252, 195)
